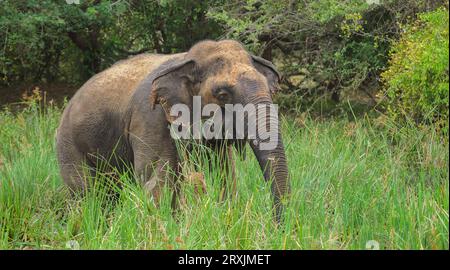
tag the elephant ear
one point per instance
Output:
(269, 70)
(171, 84)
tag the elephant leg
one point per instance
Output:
(228, 189)
(156, 183)
(74, 168)
(155, 174)
(231, 172)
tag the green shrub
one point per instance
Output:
(416, 82)
(48, 40)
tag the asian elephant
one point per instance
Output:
(125, 110)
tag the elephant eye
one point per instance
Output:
(222, 94)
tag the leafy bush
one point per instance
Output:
(47, 40)
(417, 81)
(324, 48)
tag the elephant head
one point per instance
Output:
(222, 73)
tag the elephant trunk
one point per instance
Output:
(272, 157)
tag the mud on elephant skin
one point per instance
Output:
(126, 109)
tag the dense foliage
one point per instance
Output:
(417, 84)
(328, 50)
(47, 40)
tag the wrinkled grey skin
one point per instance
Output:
(125, 109)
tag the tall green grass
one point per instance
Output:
(352, 181)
